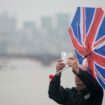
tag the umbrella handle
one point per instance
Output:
(51, 76)
(62, 70)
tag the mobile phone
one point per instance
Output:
(64, 57)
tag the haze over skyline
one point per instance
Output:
(33, 10)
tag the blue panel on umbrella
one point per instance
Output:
(80, 59)
(100, 51)
(101, 30)
(75, 24)
(89, 16)
(100, 70)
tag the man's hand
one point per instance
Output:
(71, 61)
(60, 65)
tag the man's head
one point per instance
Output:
(75, 67)
(79, 84)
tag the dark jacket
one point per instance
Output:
(92, 95)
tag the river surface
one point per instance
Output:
(25, 82)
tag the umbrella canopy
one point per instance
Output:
(87, 33)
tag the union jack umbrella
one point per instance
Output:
(87, 33)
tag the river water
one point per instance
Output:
(25, 82)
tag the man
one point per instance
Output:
(86, 92)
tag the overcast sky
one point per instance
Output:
(34, 9)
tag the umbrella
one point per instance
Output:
(87, 33)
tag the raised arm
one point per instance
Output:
(57, 92)
(89, 81)
(85, 76)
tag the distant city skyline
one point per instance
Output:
(30, 38)
(33, 10)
